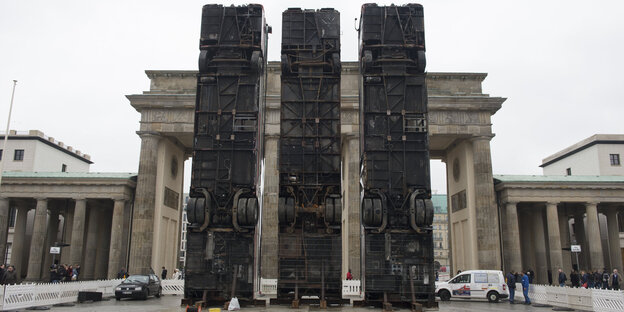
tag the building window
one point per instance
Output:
(569, 171)
(0, 154)
(19, 155)
(615, 159)
(64, 168)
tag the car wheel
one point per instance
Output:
(117, 298)
(146, 294)
(159, 293)
(445, 295)
(492, 296)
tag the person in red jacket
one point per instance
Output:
(349, 276)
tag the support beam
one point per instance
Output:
(144, 203)
(554, 240)
(37, 241)
(594, 242)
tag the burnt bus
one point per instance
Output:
(309, 205)
(397, 211)
(223, 208)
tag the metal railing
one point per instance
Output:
(36, 295)
(586, 299)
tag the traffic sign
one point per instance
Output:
(575, 248)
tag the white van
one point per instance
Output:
(482, 284)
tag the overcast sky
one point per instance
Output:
(558, 63)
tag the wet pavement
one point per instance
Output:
(172, 303)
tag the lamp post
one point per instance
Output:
(6, 134)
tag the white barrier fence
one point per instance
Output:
(268, 286)
(351, 288)
(36, 295)
(602, 300)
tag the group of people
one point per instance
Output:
(64, 273)
(595, 279)
(519, 277)
(8, 275)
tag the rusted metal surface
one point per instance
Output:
(310, 203)
(396, 208)
(227, 151)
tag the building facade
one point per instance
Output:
(599, 155)
(440, 236)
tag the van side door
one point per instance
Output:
(461, 286)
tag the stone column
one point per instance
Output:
(353, 208)
(103, 243)
(541, 260)
(87, 268)
(579, 233)
(144, 203)
(116, 243)
(554, 240)
(51, 238)
(488, 244)
(513, 250)
(615, 252)
(594, 242)
(564, 229)
(37, 241)
(68, 222)
(270, 221)
(4, 225)
(78, 231)
(19, 239)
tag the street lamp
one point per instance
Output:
(6, 134)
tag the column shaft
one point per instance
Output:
(37, 241)
(116, 243)
(68, 221)
(353, 209)
(78, 232)
(579, 233)
(4, 225)
(87, 268)
(103, 244)
(19, 239)
(51, 238)
(615, 252)
(594, 242)
(513, 238)
(541, 260)
(564, 229)
(144, 203)
(488, 244)
(554, 239)
(270, 221)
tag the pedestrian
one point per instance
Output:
(61, 272)
(176, 274)
(590, 279)
(605, 279)
(2, 271)
(69, 273)
(574, 278)
(562, 278)
(349, 275)
(122, 273)
(597, 279)
(525, 288)
(615, 280)
(458, 271)
(76, 273)
(53, 274)
(531, 276)
(584, 279)
(163, 274)
(511, 284)
(9, 277)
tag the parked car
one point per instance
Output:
(483, 284)
(139, 286)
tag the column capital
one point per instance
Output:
(80, 199)
(592, 203)
(144, 134)
(552, 203)
(38, 199)
(511, 202)
(487, 137)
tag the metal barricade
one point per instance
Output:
(607, 300)
(172, 286)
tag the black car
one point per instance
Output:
(139, 286)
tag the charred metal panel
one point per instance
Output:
(396, 208)
(310, 206)
(227, 150)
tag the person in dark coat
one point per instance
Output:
(562, 278)
(525, 288)
(605, 279)
(574, 279)
(597, 280)
(531, 276)
(584, 279)
(122, 273)
(511, 284)
(615, 280)
(9, 277)
(163, 274)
